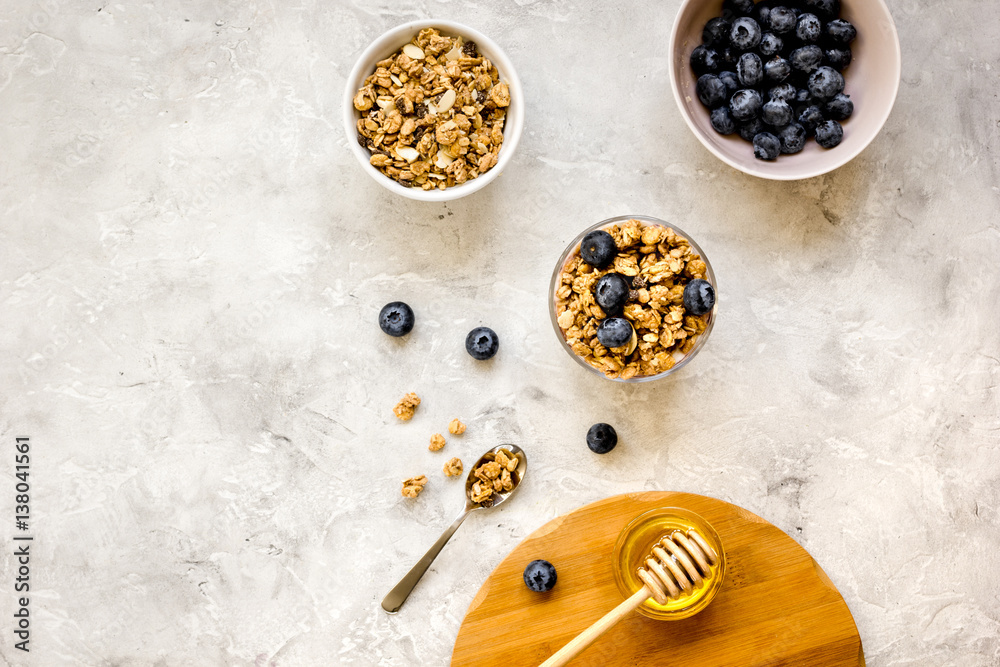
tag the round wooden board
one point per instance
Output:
(776, 605)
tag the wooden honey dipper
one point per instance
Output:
(678, 564)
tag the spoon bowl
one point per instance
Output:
(397, 596)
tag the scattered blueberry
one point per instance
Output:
(540, 576)
(738, 7)
(745, 34)
(838, 59)
(825, 83)
(808, 28)
(771, 45)
(840, 32)
(722, 121)
(745, 104)
(699, 295)
(781, 20)
(751, 129)
(704, 60)
(711, 90)
(732, 82)
(602, 438)
(750, 70)
(783, 91)
(777, 69)
(777, 113)
(806, 58)
(840, 107)
(615, 332)
(612, 290)
(793, 138)
(810, 118)
(482, 343)
(716, 33)
(598, 249)
(396, 319)
(766, 146)
(829, 134)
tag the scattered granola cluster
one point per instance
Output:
(453, 468)
(658, 263)
(494, 476)
(455, 427)
(413, 486)
(437, 442)
(432, 114)
(406, 407)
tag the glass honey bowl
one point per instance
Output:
(637, 540)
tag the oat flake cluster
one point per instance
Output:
(433, 113)
(660, 263)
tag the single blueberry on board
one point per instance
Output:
(777, 113)
(611, 291)
(396, 319)
(770, 45)
(704, 60)
(840, 32)
(745, 34)
(602, 438)
(751, 128)
(732, 82)
(722, 121)
(806, 58)
(808, 28)
(716, 33)
(540, 576)
(750, 70)
(838, 59)
(745, 104)
(482, 343)
(777, 69)
(711, 91)
(840, 107)
(829, 134)
(699, 297)
(793, 138)
(615, 332)
(781, 20)
(826, 83)
(766, 146)
(598, 249)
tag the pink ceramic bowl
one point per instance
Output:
(872, 82)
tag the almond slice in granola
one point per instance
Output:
(455, 53)
(447, 101)
(414, 51)
(443, 160)
(407, 153)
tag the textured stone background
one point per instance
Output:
(191, 265)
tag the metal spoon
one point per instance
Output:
(397, 596)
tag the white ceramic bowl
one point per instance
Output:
(389, 43)
(872, 82)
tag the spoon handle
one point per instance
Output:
(397, 596)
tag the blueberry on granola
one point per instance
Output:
(611, 292)
(699, 295)
(615, 332)
(482, 343)
(602, 438)
(598, 248)
(540, 576)
(396, 319)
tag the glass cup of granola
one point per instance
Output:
(658, 294)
